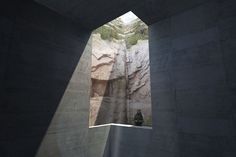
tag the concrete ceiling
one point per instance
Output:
(94, 13)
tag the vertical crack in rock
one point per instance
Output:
(120, 73)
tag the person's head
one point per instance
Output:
(138, 111)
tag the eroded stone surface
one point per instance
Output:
(138, 71)
(120, 77)
(108, 58)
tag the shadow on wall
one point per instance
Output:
(43, 51)
(113, 108)
(108, 96)
(71, 117)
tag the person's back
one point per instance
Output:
(138, 118)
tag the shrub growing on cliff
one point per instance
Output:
(107, 33)
(112, 30)
(139, 35)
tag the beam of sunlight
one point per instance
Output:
(68, 126)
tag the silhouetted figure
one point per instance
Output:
(138, 118)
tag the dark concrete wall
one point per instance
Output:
(193, 77)
(130, 142)
(193, 86)
(39, 52)
(98, 140)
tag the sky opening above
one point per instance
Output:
(128, 17)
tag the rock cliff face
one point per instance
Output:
(138, 71)
(120, 76)
(108, 89)
(108, 58)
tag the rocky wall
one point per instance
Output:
(120, 78)
(138, 72)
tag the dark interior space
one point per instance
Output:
(39, 51)
(193, 79)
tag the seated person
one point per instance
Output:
(138, 118)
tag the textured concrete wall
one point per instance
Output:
(39, 52)
(129, 142)
(67, 134)
(98, 141)
(193, 85)
(192, 57)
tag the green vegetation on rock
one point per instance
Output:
(138, 35)
(148, 121)
(107, 33)
(130, 33)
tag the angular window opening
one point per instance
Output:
(120, 73)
